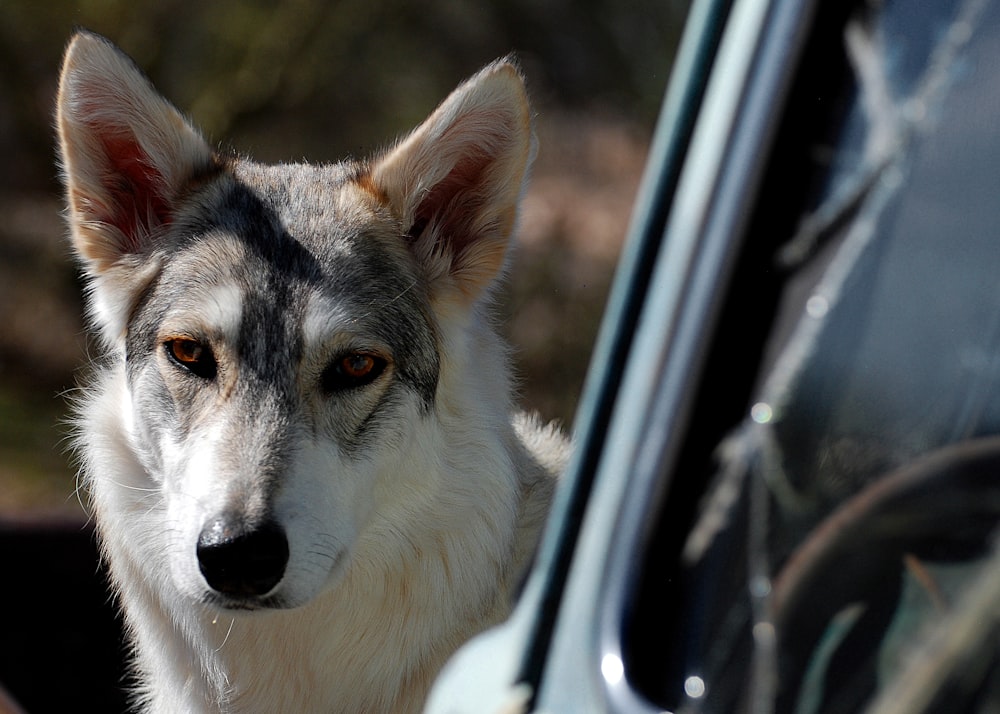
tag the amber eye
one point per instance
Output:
(192, 355)
(354, 369)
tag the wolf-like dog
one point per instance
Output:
(300, 449)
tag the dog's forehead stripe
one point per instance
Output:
(358, 280)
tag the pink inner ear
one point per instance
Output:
(136, 195)
(454, 203)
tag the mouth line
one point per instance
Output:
(229, 604)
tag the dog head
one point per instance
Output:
(280, 330)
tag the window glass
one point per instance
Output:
(844, 553)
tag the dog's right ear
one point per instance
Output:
(454, 183)
(127, 154)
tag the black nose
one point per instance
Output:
(242, 561)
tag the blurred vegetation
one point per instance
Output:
(323, 80)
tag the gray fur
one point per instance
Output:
(274, 232)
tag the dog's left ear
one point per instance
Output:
(455, 182)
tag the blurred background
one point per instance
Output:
(317, 80)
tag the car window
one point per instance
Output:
(828, 539)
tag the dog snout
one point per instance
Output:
(242, 561)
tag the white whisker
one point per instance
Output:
(228, 633)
